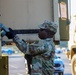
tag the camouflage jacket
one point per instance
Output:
(43, 47)
(42, 61)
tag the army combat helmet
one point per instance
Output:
(52, 26)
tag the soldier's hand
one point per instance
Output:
(11, 34)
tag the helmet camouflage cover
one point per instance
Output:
(49, 25)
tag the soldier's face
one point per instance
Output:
(42, 34)
(50, 33)
(45, 33)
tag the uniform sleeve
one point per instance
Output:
(25, 48)
(21, 44)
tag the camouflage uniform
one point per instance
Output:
(42, 62)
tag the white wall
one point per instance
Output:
(25, 14)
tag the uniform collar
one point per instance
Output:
(49, 39)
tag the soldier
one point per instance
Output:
(43, 52)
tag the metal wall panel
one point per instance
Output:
(63, 20)
(25, 14)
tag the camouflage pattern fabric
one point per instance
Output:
(49, 25)
(42, 62)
